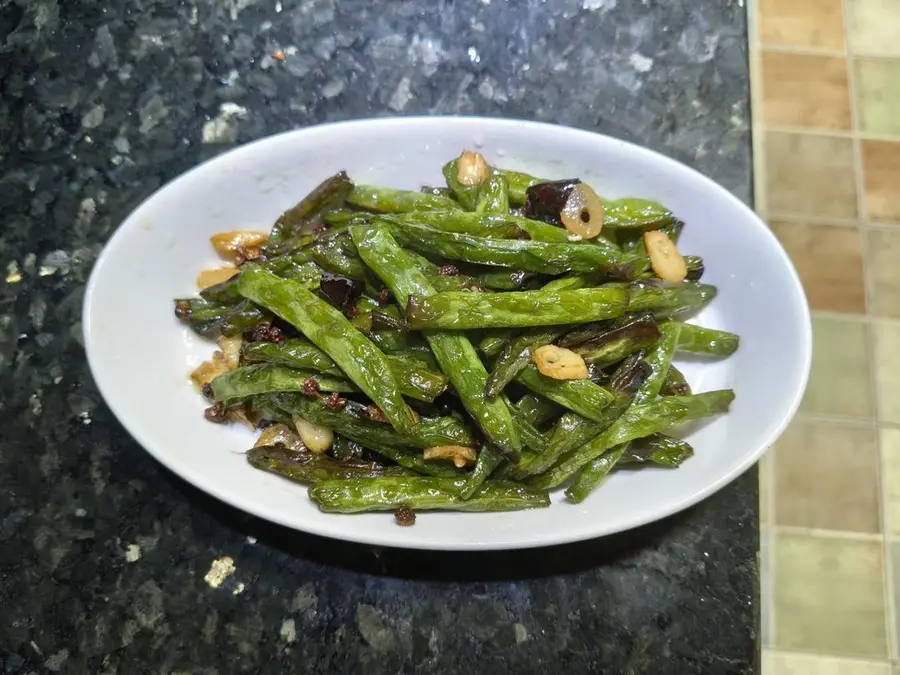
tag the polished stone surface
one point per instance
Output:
(108, 563)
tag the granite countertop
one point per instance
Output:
(110, 564)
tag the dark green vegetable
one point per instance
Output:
(454, 353)
(675, 384)
(296, 353)
(532, 439)
(467, 196)
(344, 449)
(571, 432)
(518, 184)
(659, 359)
(309, 468)
(331, 332)
(637, 422)
(386, 200)
(428, 433)
(502, 279)
(532, 256)
(659, 450)
(495, 340)
(493, 196)
(536, 410)
(414, 380)
(581, 396)
(635, 214)
(488, 460)
(594, 472)
(337, 258)
(707, 341)
(668, 301)
(293, 224)
(420, 494)
(461, 311)
(621, 338)
(212, 319)
(269, 378)
(514, 358)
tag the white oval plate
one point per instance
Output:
(140, 355)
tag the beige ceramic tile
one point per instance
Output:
(818, 24)
(889, 442)
(894, 561)
(829, 595)
(787, 663)
(887, 372)
(873, 27)
(835, 490)
(881, 169)
(883, 263)
(878, 95)
(840, 379)
(803, 90)
(810, 175)
(829, 260)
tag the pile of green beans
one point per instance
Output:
(451, 291)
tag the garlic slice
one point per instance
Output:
(665, 259)
(559, 363)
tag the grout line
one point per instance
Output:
(849, 422)
(757, 133)
(760, 205)
(837, 656)
(830, 221)
(794, 530)
(833, 133)
(802, 51)
(825, 314)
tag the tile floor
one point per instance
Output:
(826, 109)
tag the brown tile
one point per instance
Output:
(829, 595)
(882, 258)
(802, 90)
(802, 23)
(873, 27)
(827, 477)
(829, 261)
(881, 168)
(810, 175)
(889, 444)
(841, 376)
(878, 95)
(886, 359)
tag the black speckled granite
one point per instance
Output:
(104, 556)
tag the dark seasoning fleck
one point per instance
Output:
(105, 553)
